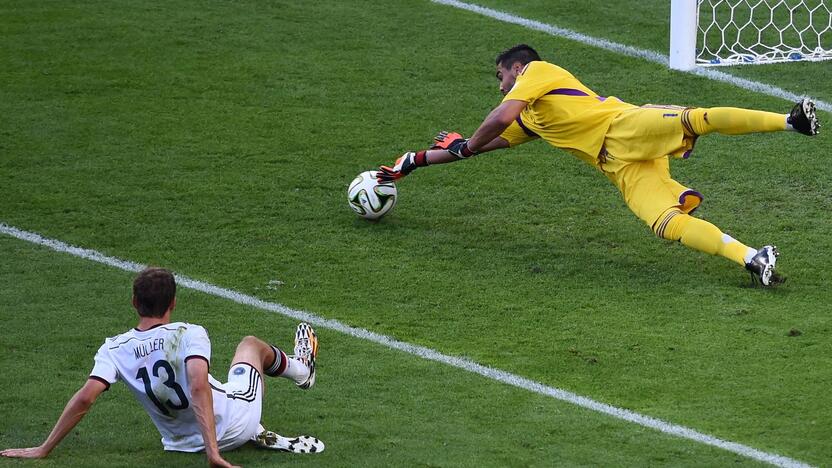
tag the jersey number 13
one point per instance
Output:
(169, 382)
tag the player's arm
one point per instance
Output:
(202, 401)
(451, 147)
(488, 136)
(442, 156)
(411, 160)
(75, 410)
(493, 126)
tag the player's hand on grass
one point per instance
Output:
(402, 167)
(219, 462)
(31, 452)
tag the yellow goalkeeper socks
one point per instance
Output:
(731, 121)
(703, 236)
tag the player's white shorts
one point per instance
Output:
(244, 393)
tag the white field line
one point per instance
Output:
(421, 351)
(630, 51)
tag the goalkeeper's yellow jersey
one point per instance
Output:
(562, 111)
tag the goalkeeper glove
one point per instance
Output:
(444, 139)
(454, 143)
(403, 166)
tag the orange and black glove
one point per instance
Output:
(454, 143)
(403, 166)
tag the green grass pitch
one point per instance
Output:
(218, 139)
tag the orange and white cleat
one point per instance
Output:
(306, 351)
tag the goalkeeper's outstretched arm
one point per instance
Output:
(412, 160)
(486, 138)
(442, 156)
(452, 147)
(495, 124)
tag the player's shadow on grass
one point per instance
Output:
(586, 252)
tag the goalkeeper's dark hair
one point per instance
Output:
(154, 290)
(520, 53)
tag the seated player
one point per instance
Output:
(165, 365)
(630, 145)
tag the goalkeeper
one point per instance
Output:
(630, 145)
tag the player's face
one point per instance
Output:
(507, 76)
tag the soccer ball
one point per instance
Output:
(370, 198)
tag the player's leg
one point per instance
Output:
(735, 121)
(653, 131)
(244, 389)
(703, 236)
(274, 362)
(303, 363)
(674, 222)
(664, 205)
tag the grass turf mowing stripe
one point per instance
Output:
(630, 51)
(421, 351)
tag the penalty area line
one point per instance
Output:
(631, 51)
(416, 350)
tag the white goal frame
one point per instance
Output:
(689, 33)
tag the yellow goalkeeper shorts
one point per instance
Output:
(636, 155)
(650, 132)
(649, 190)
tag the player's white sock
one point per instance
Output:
(279, 363)
(295, 370)
(287, 366)
(749, 255)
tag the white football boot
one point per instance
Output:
(306, 351)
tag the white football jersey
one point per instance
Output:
(152, 364)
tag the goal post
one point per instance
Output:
(731, 32)
(684, 16)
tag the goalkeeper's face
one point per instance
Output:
(507, 76)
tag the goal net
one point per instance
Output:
(730, 32)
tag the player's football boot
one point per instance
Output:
(803, 117)
(306, 351)
(762, 266)
(274, 441)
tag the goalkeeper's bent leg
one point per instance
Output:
(701, 235)
(731, 121)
